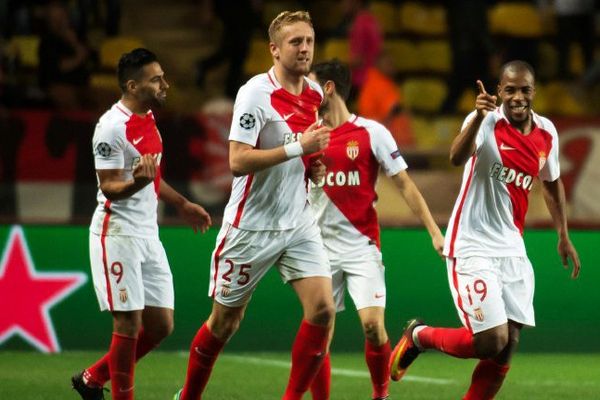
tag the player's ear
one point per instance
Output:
(274, 50)
(131, 85)
(329, 87)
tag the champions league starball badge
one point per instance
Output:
(103, 149)
(247, 121)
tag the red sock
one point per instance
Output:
(98, 374)
(308, 353)
(457, 342)
(121, 363)
(321, 385)
(204, 351)
(486, 381)
(378, 361)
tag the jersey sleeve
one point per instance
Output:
(108, 146)
(249, 115)
(386, 150)
(486, 126)
(551, 169)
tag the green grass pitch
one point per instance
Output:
(34, 376)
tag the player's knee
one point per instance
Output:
(225, 325)
(160, 331)
(491, 345)
(323, 314)
(374, 331)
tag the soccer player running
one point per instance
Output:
(344, 204)
(267, 220)
(130, 270)
(491, 279)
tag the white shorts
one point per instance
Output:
(241, 258)
(489, 291)
(365, 278)
(130, 273)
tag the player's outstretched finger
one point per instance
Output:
(480, 87)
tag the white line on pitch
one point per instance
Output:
(334, 371)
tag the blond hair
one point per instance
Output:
(287, 18)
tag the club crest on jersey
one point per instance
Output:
(542, 159)
(123, 295)
(247, 121)
(352, 149)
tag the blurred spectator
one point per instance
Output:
(365, 39)
(472, 48)
(64, 61)
(91, 9)
(575, 23)
(380, 99)
(239, 19)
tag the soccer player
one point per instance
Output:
(130, 270)
(491, 278)
(344, 204)
(267, 220)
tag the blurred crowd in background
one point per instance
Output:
(414, 64)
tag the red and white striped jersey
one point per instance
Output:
(120, 139)
(489, 213)
(266, 116)
(344, 200)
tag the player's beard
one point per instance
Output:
(152, 99)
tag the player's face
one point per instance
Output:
(517, 90)
(295, 46)
(152, 87)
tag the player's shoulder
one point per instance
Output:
(113, 121)
(543, 123)
(314, 86)
(372, 126)
(260, 83)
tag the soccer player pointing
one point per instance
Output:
(491, 279)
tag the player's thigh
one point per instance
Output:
(338, 283)
(304, 255)
(157, 276)
(477, 293)
(116, 272)
(240, 260)
(518, 287)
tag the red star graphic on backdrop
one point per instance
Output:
(26, 295)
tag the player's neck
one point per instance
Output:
(134, 106)
(337, 114)
(291, 82)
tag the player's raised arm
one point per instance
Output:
(245, 159)
(463, 146)
(554, 196)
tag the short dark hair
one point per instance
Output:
(517, 66)
(131, 64)
(337, 72)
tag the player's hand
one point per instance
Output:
(196, 216)
(315, 139)
(317, 169)
(484, 102)
(438, 244)
(567, 251)
(145, 171)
